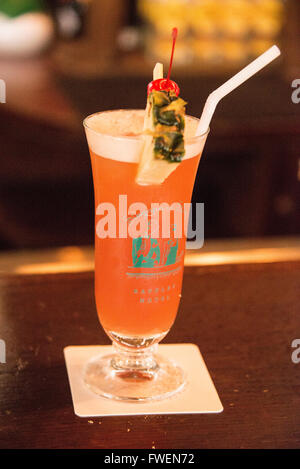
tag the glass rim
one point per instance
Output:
(131, 138)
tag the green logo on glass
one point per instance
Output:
(149, 252)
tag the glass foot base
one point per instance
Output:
(103, 377)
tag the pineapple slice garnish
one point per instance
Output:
(163, 145)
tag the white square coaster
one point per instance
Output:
(199, 395)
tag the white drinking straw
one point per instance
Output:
(246, 73)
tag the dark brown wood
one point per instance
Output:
(243, 318)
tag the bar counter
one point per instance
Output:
(240, 305)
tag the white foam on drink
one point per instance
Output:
(117, 135)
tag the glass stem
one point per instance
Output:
(134, 360)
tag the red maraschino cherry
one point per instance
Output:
(165, 84)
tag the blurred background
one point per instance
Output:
(64, 59)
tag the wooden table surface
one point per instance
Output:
(243, 317)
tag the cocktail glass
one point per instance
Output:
(138, 279)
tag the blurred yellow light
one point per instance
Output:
(225, 21)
